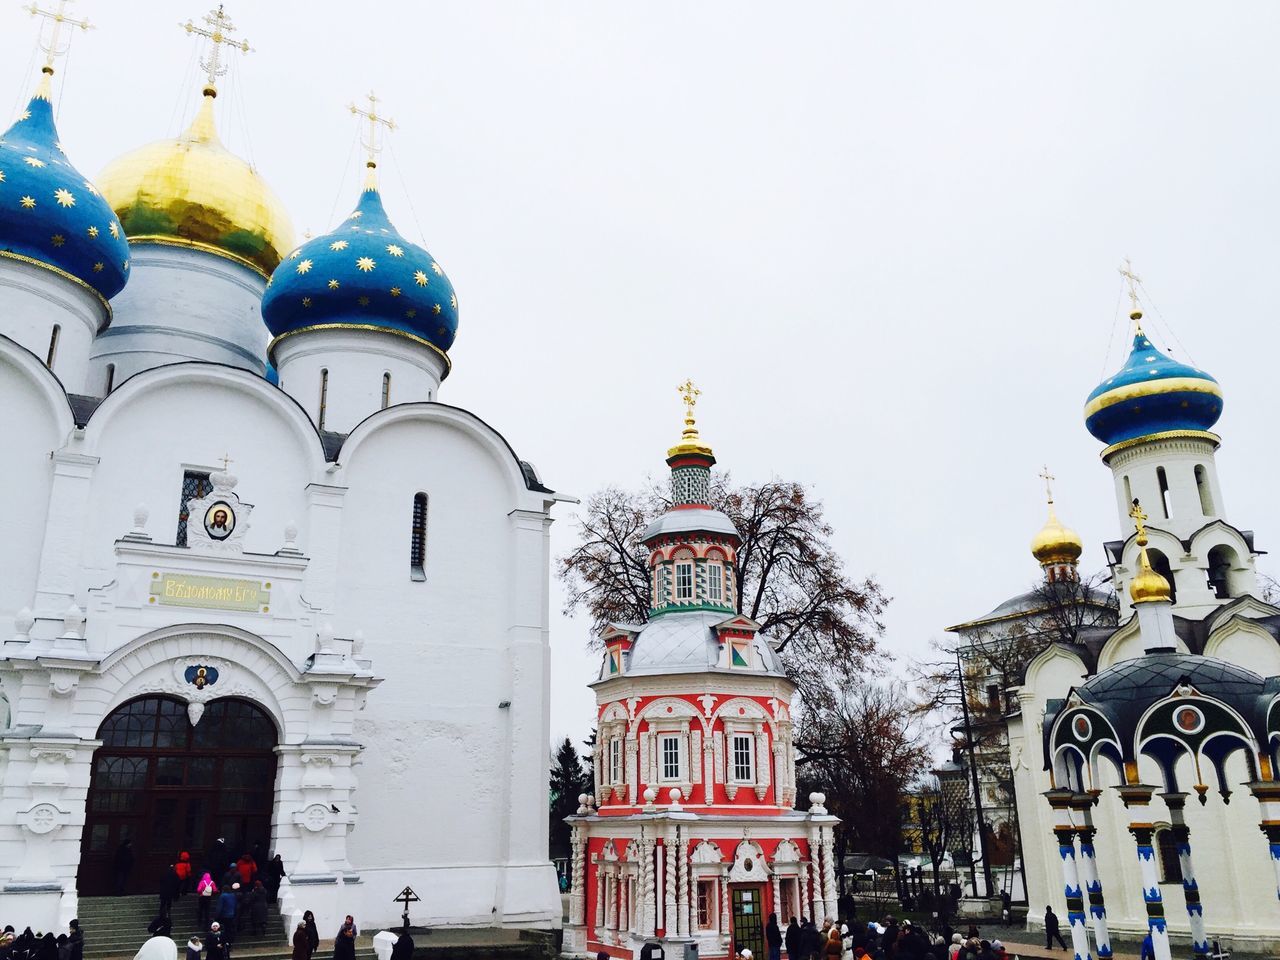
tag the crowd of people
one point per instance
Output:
(42, 946)
(888, 939)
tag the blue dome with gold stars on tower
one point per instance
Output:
(363, 275)
(50, 214)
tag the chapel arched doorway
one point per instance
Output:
(168, 785)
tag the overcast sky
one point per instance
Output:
(882, 238)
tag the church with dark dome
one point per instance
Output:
(245, 537)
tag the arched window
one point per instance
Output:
(1160, 564)
(1222, 563)
(1206, 495)
(1163, 480)
(1167, 855)
(53, 346)
(324, 398)
(111, 379)
(418, 541)
(386, 390)
(1128, 492)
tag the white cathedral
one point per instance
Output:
(258, 582)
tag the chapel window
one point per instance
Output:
(1202, 486)
(196, 485)
(418, 539)
(706, 904)
(386, 390)
(743, 755)
(715, 582)
(53, 346)
(615, 760)
(684, 580)
(111, 379)
(1162, 479)
(324, 398)
(739, 654)
(671, 757)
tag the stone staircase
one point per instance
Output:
(116, 927)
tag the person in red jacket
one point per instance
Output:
(183, 869)
(247, 869)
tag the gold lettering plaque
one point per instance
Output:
(210, 593)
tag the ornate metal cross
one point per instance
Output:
(690, 394)
(373, 145)
(1127, 272)
(217, 35)
(1139, 519)
(1048, 479)
(58, 18)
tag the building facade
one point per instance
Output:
(259, 584)
(692, 836)
(1137, 744)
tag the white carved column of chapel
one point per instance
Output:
(762, 762)
(611, 903)
(649, 919)
(575, 875)
(632, 772)
(671, 907)
(64, 530)
(682, 882)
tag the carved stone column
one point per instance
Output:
(1176, 802)
(630, 769)
(599, 899)
(777, 899)
(577, 895)
(1137, 798)
(611, 904)
(725, 930)
(762, 762)
(649, 909)
(815, 882)
(708, 770)
(682, 851)
(829, 871)
(670, 913)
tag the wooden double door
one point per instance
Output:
(167, 785)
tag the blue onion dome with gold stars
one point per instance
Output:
(50, 215)
(363, 275)
(1152, 394)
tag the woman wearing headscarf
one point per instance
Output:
(313, 933)
(344, 944)
(301, 944)
(206, 892)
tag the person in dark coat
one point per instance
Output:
(275, 874)
(77, 940)
(161, 926)
(301, 944)
(170, 884)
(313, 933)
(194, 948)
(403, 949)
(227, 908)
(122, 866)
(47, 948)
(773, 937)
(812, 944)
(793, 940)
(258, 908)
(215, 944)
(1051, 929)
(344, 944)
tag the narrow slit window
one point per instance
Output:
(111, 379)
(615, 760)
(386, 390)
(324, 398)
(53, 346)
(1202, 486)
(1163, 480)
(418, 544)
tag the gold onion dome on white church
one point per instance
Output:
(192, 191)
(1056, 543)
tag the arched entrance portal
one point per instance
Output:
(168, 785)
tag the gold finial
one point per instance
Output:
(217, 35)
(372, 143)
(1148, 586)
(1055, 544)
(690, 442)
(1135, 311)
(56, 19)
(1139, 522)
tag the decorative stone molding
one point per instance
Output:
(41, 819)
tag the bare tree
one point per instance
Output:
(789, 578)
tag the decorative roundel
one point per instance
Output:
(1188, 719)
(1081, 728)
(219, 520)
(747, 864)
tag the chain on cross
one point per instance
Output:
(217, 34)
(58, 18)
(372, 145)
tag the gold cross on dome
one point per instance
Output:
(58, 19)
(217, 35)
(372, 145)
(1048, 479)
(1139, 520)
(1135, 311)
(690, 394)
(226, 461)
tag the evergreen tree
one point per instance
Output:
(569, 779)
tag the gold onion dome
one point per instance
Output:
(1056, 543)
(192, 191)
(691, 443)
(1148, 586)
